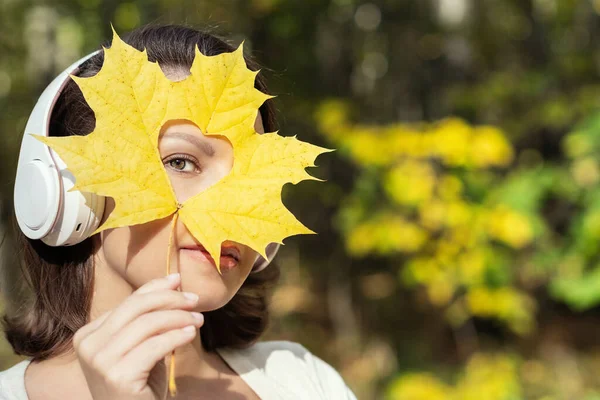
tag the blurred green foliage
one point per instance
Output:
(456, 256)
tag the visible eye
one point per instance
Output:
(182, 163)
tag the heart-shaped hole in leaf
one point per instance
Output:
(193, 161)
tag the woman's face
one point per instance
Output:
(139, 253)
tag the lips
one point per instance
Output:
(230, 254)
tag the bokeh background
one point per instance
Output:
(456, 255)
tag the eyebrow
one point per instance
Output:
(195, 140)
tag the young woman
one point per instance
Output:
(103, 318)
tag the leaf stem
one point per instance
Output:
(172, 385)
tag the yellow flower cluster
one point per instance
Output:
(486, 377)
(410, 182)
(417, 386)
(489, 377)
(438, 213)
(450, 238)
(505, 303)
(510, 227)
(386, 233)
(452, 141)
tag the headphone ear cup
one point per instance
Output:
(260, 262)
(79, 213)
(43, 207)
(36, 198)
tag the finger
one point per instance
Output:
(149, 353)
(136, 305)
(144, 327)
(166, 282)
(95, 323)
(88, 328)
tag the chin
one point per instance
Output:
(212, 293)
(214, 289)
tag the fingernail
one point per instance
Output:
(198, 316)
(173, 277)
(190, 296)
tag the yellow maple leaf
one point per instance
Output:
(132, 99)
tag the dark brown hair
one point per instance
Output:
(60, 280)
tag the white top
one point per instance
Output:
(273, 369)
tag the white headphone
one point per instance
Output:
(44, 207)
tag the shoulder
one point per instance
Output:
(292, 364)
(276, 350)
(12, 382)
